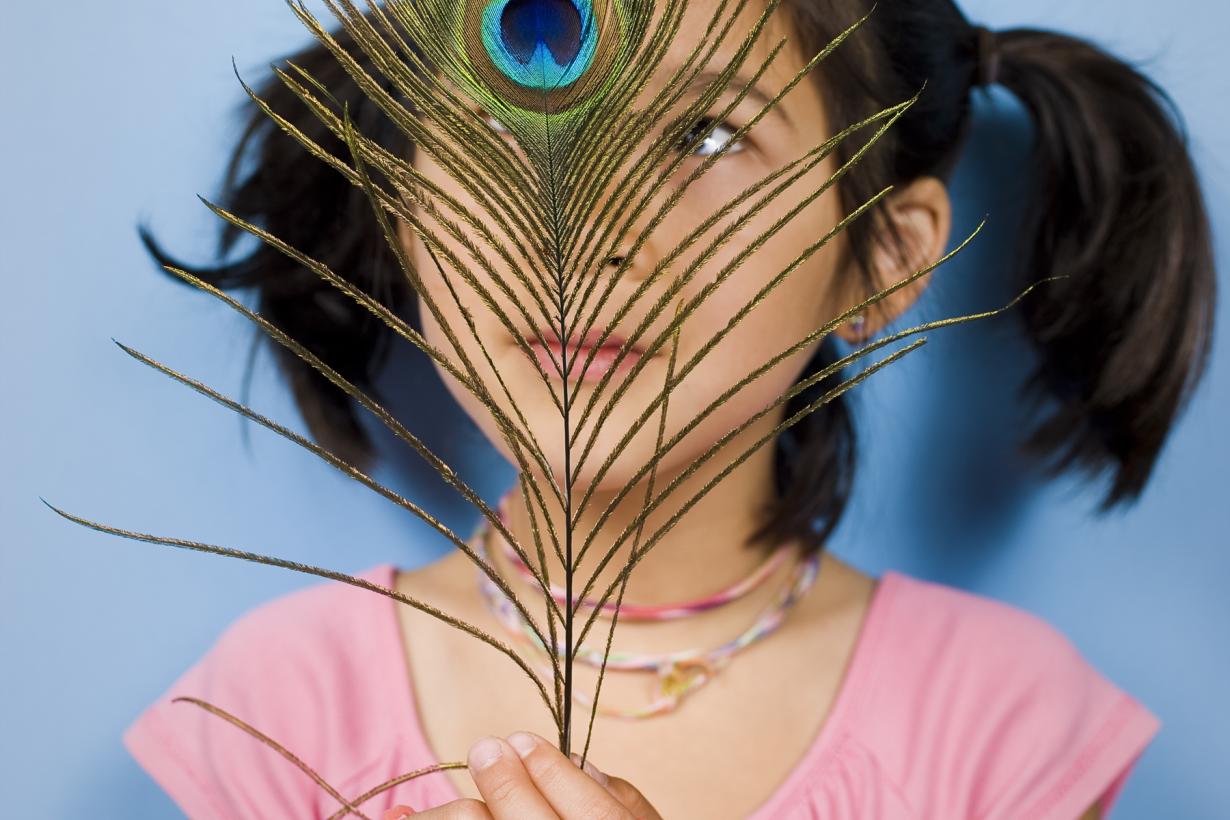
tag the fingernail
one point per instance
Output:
(523, 742)
(590, 769)
(398, 812)
(484, 753)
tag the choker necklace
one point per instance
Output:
(638, 612)
(678, 673)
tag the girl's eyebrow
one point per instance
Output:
(705, 78)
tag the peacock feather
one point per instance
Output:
(532, 108)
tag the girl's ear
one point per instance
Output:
(922, 214)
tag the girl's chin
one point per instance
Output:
(619, 474)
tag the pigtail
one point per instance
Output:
(1115, 206)
(301, 200)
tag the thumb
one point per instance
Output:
(632, 799)
(590, 769)
(628, 795)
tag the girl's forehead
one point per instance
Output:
(798, 112)
(724, 37)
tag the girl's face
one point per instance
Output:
(809, 296)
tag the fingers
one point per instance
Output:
(623, 791)
(507, 788)
(590, 769)
(528, 777)
(571, 792)
(462, 809)
(631, 798)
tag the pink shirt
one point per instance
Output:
(954, 705)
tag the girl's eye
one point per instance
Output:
(492, 121)
(711, 143)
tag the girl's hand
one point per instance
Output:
(528, 778)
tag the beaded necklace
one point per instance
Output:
(678, 673)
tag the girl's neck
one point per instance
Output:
(702, 552)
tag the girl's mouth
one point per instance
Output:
(550, 357)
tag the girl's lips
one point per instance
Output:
(551, 359)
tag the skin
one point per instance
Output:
(762, 712)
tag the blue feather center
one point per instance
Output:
(540, 44)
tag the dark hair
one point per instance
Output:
(1115, 205)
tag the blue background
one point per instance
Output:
(95, 626)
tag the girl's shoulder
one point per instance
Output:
(979, 705)
(312, 670)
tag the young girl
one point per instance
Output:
(820, 691)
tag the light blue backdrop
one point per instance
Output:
(95, 626)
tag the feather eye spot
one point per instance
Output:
(535, 57)
(540, 44)
(529, 25)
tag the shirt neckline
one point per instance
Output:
(852, 692)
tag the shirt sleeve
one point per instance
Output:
(213, 768)
(1066, 738)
